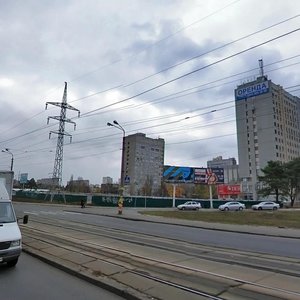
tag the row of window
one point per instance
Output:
(152, 149)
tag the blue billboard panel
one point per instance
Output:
(178, 174)
(23, 178)
(251, 90)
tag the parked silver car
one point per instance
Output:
(232, 205)
(190, 205)
(266, 205)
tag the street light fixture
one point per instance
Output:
(6, 150)
(117, 125)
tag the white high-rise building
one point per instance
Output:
(268, 128)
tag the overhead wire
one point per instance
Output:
(173, 66)
(166, 116)
(213, 50)
(192, 72)
(160, 40)
(190, 128)
(202, 108)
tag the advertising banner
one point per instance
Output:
(23, 178)
(252, 90)
(209, 175)
(229, 189)
(200, 175)
(177, 174)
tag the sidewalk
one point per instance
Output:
(133, 214)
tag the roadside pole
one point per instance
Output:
(174, 194)
(211, 196)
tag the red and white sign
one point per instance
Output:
(229, 189)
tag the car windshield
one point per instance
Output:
(6, 213)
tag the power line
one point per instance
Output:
(213, 50)
(131, 97)
(158, 41)
(173, 66)
(193, 72)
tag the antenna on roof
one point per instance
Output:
(261, 68)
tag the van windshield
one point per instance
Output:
(7, 214)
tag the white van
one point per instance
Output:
(10, 235)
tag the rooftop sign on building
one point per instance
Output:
(255, 89)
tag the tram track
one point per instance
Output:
(177, 273)
(285, 266)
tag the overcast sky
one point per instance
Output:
(167, 68)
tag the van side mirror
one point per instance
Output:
(25, 219)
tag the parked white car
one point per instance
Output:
(190, 205)
(266, 205)
(232, 205)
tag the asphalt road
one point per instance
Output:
(254, 243)
(33, 279)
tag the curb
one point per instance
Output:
(122, 291)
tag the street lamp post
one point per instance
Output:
(117, 125)
(6, 150)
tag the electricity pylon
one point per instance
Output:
(62, 118)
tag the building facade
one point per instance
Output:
(47, 182)
(268, 128)
(143, 161)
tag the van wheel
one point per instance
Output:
(12, 263)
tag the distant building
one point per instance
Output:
(107, 180)
(230, 166)
(47, 183)
(143, 163)
(268, 128)
(110, 188)
(79, 185)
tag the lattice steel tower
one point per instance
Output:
(57, 170)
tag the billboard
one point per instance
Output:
(176, 174)
(23, 178)
(229, 189)
(251, 90)
(208, 175)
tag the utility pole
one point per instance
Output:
(57, 170)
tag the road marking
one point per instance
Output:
(31, 213)
(73, 213)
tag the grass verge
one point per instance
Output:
(284, 218)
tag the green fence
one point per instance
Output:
(27, 195)
(112, 200)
